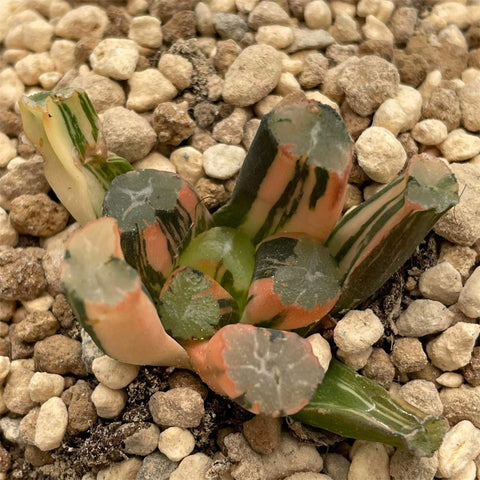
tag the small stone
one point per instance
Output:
(305, 39)
(178, 407)
(59, 354)
(390, 116)
(469, 97)
(155, 161)
(21, 274)
(115, 58)
(125, 470)
(230, 129)
(180, 26)
(471, 371)
(268, 13)
(183, 378)
(146, 31)
(30, 67)
(62, 53)
(453, 348)
(375, 29)
(430, 132)
(408, 355)
(252, 76)
(424, 317)
(10, 428)
(369, 460)
(355, 360)
(459, 146)
(8, 235)
(380, 155)
(189, 163)
(15, 394)
(357, 330)
(462, 258)
(112, 373)
(51, 424)
(321, 349)
(451, 379)
(176, 443)
(7, 150)
(249, 132)
(408, 466)
(103, 92)
(442, 283)
(108, 403)
(84, 21)
(44, 386)
(37, 35)
(460, 225)
(156, 466)
(423, 395)
(345, 29)
(193, 466)
(314, 70)
(27, 426)
(127, 133)
(461, 404)
(460, 445)
(177, 69)
(38, 215)
(380, 368)
(81, 410)
(12, 88)
(148, 88)
(229, 25)
(223, 161)
(263, 433)
(143, 442)
(317, 15)
(336, 466)
(443, 104)
(4, 368)
(278, 36)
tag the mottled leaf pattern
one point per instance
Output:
(296, 283)
(295, 174)
(158, 213)
(194, 306)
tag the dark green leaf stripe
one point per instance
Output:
(106, 171)
(74, 131)
(322, 177)
(90, 113)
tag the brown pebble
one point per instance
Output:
(36, 457)
(227, 51)
(59, 354)
(81, 411)
(10, 123)
(380, 368)
(165, 9)
(182, 25)
(5, 460)
(412, 67)
(408, 355)
(26, 178)
(15, 394)
(28, 424)
(38, 215)
(62, 311)
(37, 326)
(211, 192)
(263, 433)
(21, 274)
(183, 378)
(444, 105)
(471, 372)
(18, 348)
(172, 123)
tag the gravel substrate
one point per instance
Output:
(181, 85)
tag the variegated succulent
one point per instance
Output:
(158, 280)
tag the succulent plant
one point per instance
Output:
(157, 280)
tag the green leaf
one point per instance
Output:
(371, 242)
(351, 405)
(295, 175)
(158, 214)
(64, 128)
(194, 306)
(226, 255)
(296, 283)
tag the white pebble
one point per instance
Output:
(115, 58)
(143, 442)
(460, 145)
(357, 330)
(112, 373)
(369, 460)
(42, 303)
(469, 97)
(460, 446)
(148, 88)
(411, 101)
(452, 12)
(390, 115)
(442, 283)
(44, 386)
(430, 132)
(321, 349)
(37, 35)
(7, 149)
(146, 31)
(467, 473)
(423, 395)
(155, 161)
(380, 155)
(450, 379)
(287, 84)
(453, 348)
(84, 21)
(177, 69)
(424, 317)
(355, 360)
(124, 470)
(223, 161)
(176, 443)
(278, 36)
(108, 403)
(51, 424)
(30, 68)
(193, 466)
(63, 55)
(374, 29)
(317, 15)
(469, 299)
